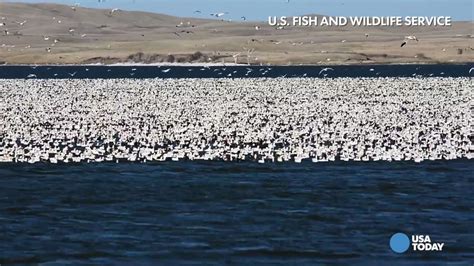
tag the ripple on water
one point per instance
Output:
(304, 213)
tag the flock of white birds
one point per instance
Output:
(264, 120)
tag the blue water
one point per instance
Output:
(177, 213)
(81, 71)
(190, 213)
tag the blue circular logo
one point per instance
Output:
(399, 243)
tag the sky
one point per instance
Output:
(262, 9)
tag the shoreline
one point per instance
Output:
(245, 65)
(159, 39)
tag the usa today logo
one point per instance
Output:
(400, 243)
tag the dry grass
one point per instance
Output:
(114, 38)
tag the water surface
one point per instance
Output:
(242, 71)
(235, 213)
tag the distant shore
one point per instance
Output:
(131, 64)
(51, 34)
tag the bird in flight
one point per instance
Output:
(325, 70)
(111, 12)
(20, 23)
(409, 38)
(218, 15)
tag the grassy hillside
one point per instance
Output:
(85, 35)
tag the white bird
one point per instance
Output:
(21, 23)
(166, 70)
(236, 57)
(73, 7)
(218, 15)
(325, 69)
(411, 38)
(113, 11)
